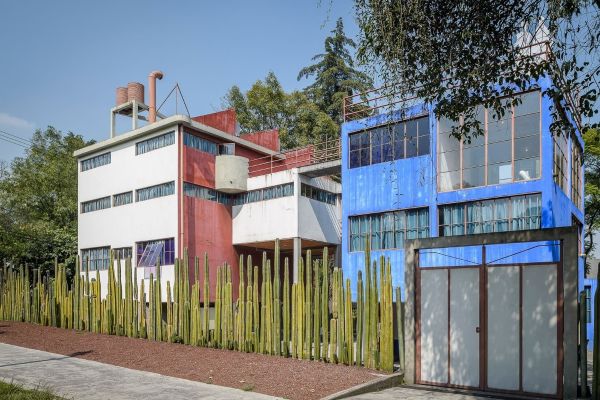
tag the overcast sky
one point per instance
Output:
(62, 60)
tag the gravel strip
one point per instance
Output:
(277, 376)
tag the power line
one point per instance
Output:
(16, 137)
(7, 139)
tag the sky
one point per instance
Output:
(62, 60)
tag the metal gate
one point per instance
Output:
(491, 325)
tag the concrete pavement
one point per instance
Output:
(408, 393)
(77, 379)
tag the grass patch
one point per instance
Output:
(248, 387)
(12, 391)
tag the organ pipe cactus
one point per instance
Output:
(312, 319)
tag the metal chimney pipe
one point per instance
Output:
(152, 85)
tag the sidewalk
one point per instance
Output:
(89, 380)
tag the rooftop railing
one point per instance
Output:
(312, 154)
(389, 98)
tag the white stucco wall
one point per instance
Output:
(288, 217)
(125, 225)
(271, 219)
(318, 220)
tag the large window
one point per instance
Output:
(122, 253)
(588, 304)
(191, 190)
(388, 230)
(199, 143)
(508, 151)
(272, 192)
(496, 215)
(95, 205)
(317, 194)
(152, 192)
(390, 142)
(96, 259)
(155, 143)
(561, 161)
(576, 173)
(95, 162)
(122, 198)
(150, 253)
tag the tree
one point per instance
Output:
(592, 187)
(460, 54)
(267, 106)
(335, 74)
(38, 202)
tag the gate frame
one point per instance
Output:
(567, 267)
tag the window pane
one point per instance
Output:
(399, 141)
(499, 173)
(499, 130)
(450, 180)
(364, 157)
(473, 157)
(423, 145)
(501, 215)
(527, 147)
(354, 159)
(500, 152)
(474, 177)
(354, 142)
(376, 146)
(527, 125)
(530, 103)
(423, 124)
(445, 125)
(447, 142)
(527, 169)
(411, 128)
(449, 161)
(411, 147)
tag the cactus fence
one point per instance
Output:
(313, 319)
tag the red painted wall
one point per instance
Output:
(268, 139)
(198, 167)
(222, 120)
(208, 229)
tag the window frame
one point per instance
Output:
(170, 134)
(486, 167)
(163, 252)
(392, 131)
(104, 261)
(91, 160)
(510, 218)
(114, 198)
(98, 201)
(385, 230)
(170, 184)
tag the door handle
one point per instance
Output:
(477, 329)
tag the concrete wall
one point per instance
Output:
(125, 225)
(318, 220)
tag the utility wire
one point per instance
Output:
(14, 139)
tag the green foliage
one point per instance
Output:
(11, 391)
(592, 186)
(460, 54)
(267, 106)
(38, 202)
(335, 76)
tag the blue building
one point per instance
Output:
(405, 177)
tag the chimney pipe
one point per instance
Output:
(152, 85)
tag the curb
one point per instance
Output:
(384, 382)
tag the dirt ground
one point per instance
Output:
(277, 376)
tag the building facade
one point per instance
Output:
(195, 184)
(483, 311)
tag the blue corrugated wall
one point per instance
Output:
(412, 182)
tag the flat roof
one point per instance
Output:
(164, 123)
